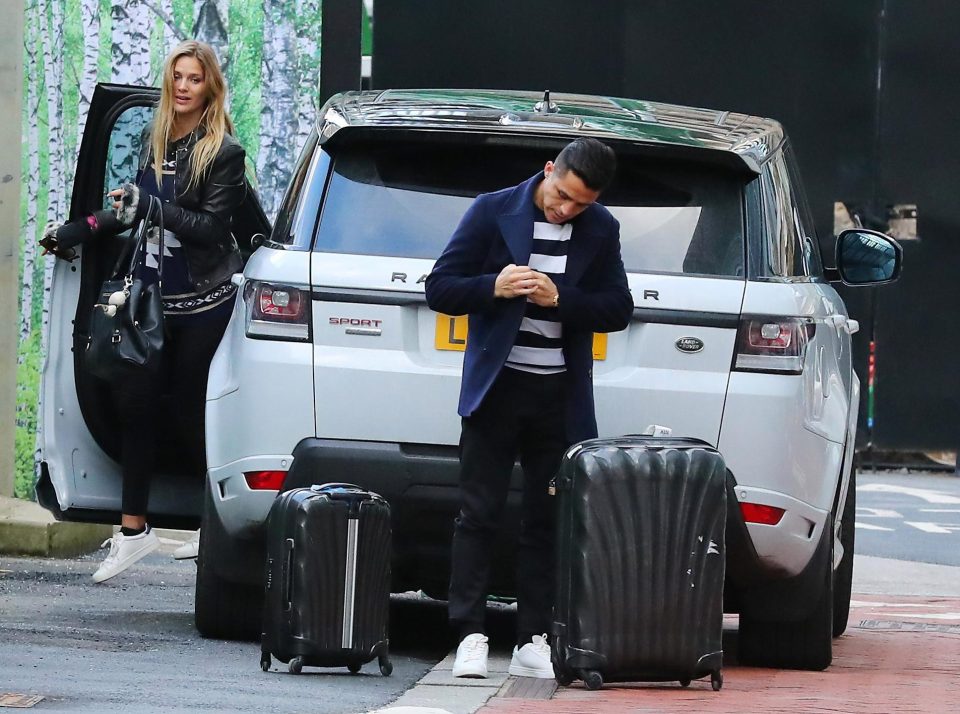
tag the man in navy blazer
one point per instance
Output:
(537, 269)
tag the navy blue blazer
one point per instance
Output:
(497, 230)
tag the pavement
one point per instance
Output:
(27, 528)
(901, 652)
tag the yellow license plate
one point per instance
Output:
(452, 335)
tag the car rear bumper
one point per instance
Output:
(421, 484)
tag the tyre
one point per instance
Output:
(223, 610)
(843, 577)
(797, 644)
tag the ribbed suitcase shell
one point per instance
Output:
(315, 613)
(640, 561)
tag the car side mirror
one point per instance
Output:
(866, 257)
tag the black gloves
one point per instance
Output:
(60, 239)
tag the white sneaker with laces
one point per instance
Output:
(124, 552)
(471, 658)
(532, 660)
(190, 549)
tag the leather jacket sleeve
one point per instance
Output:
(220, 193)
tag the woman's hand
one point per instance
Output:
(127, 204)
(70, 233)
(115, 194)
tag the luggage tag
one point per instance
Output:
(657, 430)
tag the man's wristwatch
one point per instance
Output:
(556, 300)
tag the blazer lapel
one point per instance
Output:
(516, 223)
(584, 244)
(517, 231)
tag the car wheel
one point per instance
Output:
(843, 578)
(798, 644)
(223, 610)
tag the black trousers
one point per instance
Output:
(188, 349)
(522, 415)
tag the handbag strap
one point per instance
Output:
(155, 213)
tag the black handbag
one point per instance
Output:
(126, 327)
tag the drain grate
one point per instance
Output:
(19, 701)
(908, 626)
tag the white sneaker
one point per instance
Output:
(532, 660)
(190, 549)
(124, 552)
(472, 657)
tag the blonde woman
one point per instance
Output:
(191, 162)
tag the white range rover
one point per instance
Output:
(334, 369)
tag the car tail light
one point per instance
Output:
(278, 312)
(758, 513)
(773, 344)
(265, 480)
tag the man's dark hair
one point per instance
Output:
(590, 159)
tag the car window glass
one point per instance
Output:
(806, 229)
(785, 252)
(123, 151)
(405, 199)
(292, 227)
(678, 218)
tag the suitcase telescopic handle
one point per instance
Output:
(286, 595)
(333, 487)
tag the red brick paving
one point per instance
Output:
(898, 655)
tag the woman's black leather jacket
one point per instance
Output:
(202, 215)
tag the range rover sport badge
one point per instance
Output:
(689, 344)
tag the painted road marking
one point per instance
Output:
(867, 603)
(877, 512)
(923, 493)
(934, 527)
(870, 527)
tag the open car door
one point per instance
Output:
(80, 434)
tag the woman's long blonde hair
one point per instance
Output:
(215, 120)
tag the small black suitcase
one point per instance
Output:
(640, 562)
(327, 596)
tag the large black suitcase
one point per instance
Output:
(327, 596)
(640, 561)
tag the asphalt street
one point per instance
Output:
(909, 516)
(130, 645)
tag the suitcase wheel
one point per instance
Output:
(386, 666)
(296, 665)
(592, 679)
(716, 680)
(354, 667)
(265, 661)
(684, 683)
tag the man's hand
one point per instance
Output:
(515, 281)
(545, 294)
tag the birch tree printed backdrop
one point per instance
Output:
(270, 52)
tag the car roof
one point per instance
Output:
(753, 139)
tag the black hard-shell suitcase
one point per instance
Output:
(327, 593)
(640, 561)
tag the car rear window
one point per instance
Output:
(405, 199)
